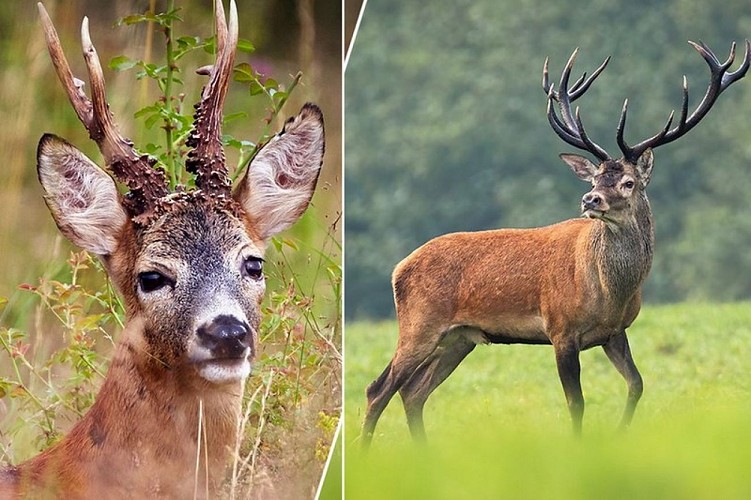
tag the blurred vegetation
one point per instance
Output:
(56, 328)
(499, 426)
(446, 131)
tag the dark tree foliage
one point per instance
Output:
(446, 131)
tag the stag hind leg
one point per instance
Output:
(453, 348)
(619, 353)
(410, 354)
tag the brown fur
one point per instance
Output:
(151, 453)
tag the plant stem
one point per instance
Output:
(276, 108)
(168, 121)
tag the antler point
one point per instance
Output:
(85, 35)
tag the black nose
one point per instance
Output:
(225, 337)
(591, 201)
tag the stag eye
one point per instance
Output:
(629, 184)
(152, 281)
(253, 268)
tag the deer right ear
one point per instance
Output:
(644, 166)
(82, 198)
(280, 181)
(582, 167)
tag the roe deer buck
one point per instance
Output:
(190, 267)
(575, 284)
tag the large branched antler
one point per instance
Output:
(569, 126)
(720, 79)
(136, 171)
(206, 160)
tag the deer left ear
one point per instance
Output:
(280, 181)
(82, 198)
(644, 167)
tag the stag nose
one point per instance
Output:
(591, 201)
(226, 337)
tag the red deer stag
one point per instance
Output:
(189, 264)
(575, 284)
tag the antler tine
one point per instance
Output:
(569, 126)
(564, 98)
(591, 146)
(145, 183)
(579, 87)
(561, 129)
(719, 80)
(72, 85)
(657, 137)
(206, 160)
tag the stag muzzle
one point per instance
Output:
(594, 205)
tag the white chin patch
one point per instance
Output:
(225, 371)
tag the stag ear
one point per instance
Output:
(83, 199)
(582, 167)
(280, 181)
(644, 166)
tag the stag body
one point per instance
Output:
(575, 284)
(189, 265)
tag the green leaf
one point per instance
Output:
(151, 120)
(234, 116)
(154, 108)
(122, 63)
(152, 148)
(243, 72)
(255, 88)
(230, 141)
(244, 45)
(270, 83)
(187, 42)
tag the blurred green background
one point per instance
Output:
(446, 131)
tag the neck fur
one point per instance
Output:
(623, 251)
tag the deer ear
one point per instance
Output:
(644, 166)
(280, 181)
(82, 198)
(582, 167)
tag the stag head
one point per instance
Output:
(618, 184)
(190, 262)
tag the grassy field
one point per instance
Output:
(499, 427)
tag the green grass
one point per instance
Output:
(499, 427)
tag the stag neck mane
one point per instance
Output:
(622, 252)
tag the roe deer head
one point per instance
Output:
(189, 265)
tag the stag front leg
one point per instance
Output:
(619, 354)
(569, 371)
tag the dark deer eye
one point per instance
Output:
(152, 281)
(253, 268)
(629, 184)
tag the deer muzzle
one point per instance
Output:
(594, 205)
(222, 349)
